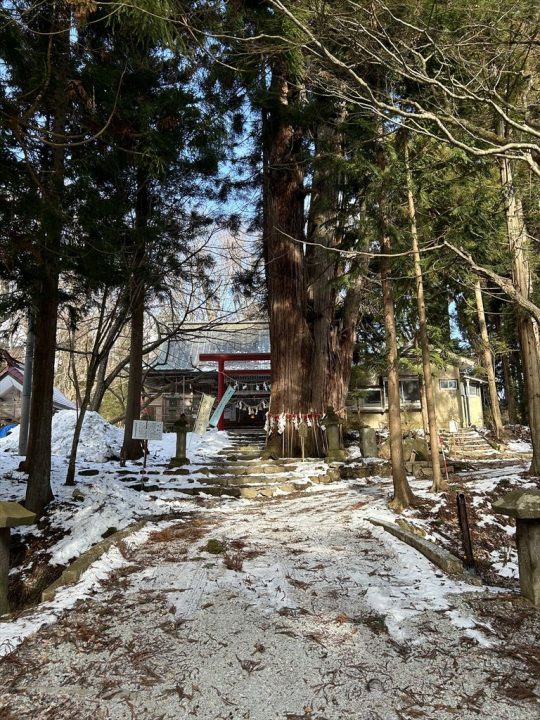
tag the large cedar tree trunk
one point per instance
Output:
(334, 315)
(290, 337)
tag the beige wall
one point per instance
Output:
(448, 407)
(477, 413)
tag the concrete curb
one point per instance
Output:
(437, 555)
(74, 571)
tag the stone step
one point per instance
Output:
(240, 470)
(240, 456)
(248, 492)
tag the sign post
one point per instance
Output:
(147, 430)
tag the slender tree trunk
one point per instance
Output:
(38, 491)
(423, 407)
(100, 385)
(70, 477)
(509, 390)
(132, 449)
(439, 484)
(527, 326)
(27, 386)
(403, 496)
(487, 362)
(290, 337)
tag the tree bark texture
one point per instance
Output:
(322, 264)
(527, 324)
(403, 496)
(439, 484)
(38, 491)
(290, 336)
(487, 362)
(333, 314)
(509, 392)
(132, 449)
(100, 385)
(26, 394)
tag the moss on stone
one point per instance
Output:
(214, 547)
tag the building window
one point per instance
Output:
(448, 384)
(410, 390)
(373, 397)
(474, 390)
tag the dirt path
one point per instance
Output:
(311, 613)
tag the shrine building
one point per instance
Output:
(208, 359)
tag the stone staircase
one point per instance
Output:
(237, 471)
(468, 443)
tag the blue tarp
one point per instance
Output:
(7, 429)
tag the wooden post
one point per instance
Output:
(11, 515)
(221, 390)
(4, 570)
(303, 433)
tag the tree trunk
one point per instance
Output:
(322, 264)
(38, 491)
(132, 449)
(100, 385)
(487, 362)
(527, 325)
(26, 394)
(70, 477)
(403, 496)
(509, 390)
(290, 337)
(439, 484)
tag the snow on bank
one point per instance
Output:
(100, 441)
(103, 501)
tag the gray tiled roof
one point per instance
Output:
(243, 337)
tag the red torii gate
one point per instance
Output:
(221, 359)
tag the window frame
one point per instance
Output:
(449, 388)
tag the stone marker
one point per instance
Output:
(181, 427)
(11, 515)
(524, 506)
(368, 442)
(333, 424)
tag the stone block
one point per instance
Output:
(368, 442)
(13, 514)
(520, 504)
(524, 506)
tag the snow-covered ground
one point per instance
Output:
(102, 501)
(331, 616)
(309, 613)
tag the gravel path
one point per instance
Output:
(310, 613)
